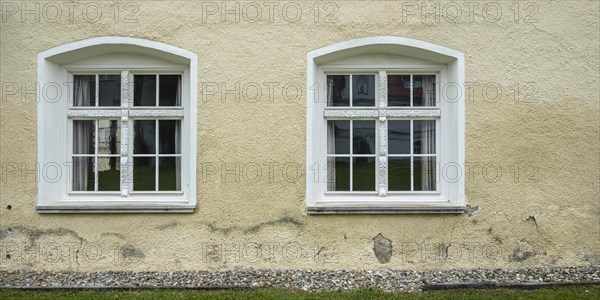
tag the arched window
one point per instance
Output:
(385, 127)
(117, 127)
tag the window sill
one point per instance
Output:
(111, 208)
(391, 208)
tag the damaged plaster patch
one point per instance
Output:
(522, 252)
(167, 226)
(129, 251)
(114, 234)
(382, 247)
(470, 210)
(285, 220)
(33, 235)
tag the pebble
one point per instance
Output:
(306, 280)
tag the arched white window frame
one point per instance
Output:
(396, 54)
(109, 53)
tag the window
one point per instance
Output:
(128, 141)
(385, 128)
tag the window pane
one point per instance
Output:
(363, 173)
(169, 169)
(338, 137)
(399, 137)
(338, 174)
(169, 90)
(84, 90)
(338, 90)
(169, 137)
(109, 174)
(424, 90)
(109, 90)
(109, 136)
(425, 171)
(424, 136)
(83, 174)
(144, 173)
(84, 136)
(398, 90)
(144, 137)
(399, 173)
(144, 93)
(363, 137)
(363, 90)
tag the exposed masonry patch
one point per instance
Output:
(167, 226)
(382, 247)
(285, 220)
(443, 249)
(470, 210)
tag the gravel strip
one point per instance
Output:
(308, 280)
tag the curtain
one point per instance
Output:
(428, 177)
(83, 143)
(429, 90)
(330, 160)
(178, 150)
(84, 91)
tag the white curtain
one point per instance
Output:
(83, 90)
(429, 90)
(330, 160)
(428, 177)
(83, 135)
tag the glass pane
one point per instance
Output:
(84, 90)
(109, 90)
(424, 136)
(424, 90)
(425, 171)
(363, 90)
(144, 137)
(109, 136)
(399, 137)
(363, 173)
(169, 90)
(169, 137)
(144, 93)
(168, 174)
(398, 90)
(338, 90)
(83, 174)
(84, 136)
(363, 137)
(109, 174)
(399, 173)
(144, 173)
(338, 173)
(338, 137)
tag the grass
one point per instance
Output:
(565, 292)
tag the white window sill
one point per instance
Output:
(117, 208)
(384, 208)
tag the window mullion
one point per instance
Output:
(382, 127)
(126, 99)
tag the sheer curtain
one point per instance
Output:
(83, 133)
(330, 160)
(429, 90)
(428, 147)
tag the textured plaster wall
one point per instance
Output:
(544, 123)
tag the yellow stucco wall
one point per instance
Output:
(549, 53)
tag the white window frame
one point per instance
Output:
(448, 65)
(56, 68)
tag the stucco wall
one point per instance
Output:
(545, 123)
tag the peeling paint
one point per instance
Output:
(129, 251)
(522, 252)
